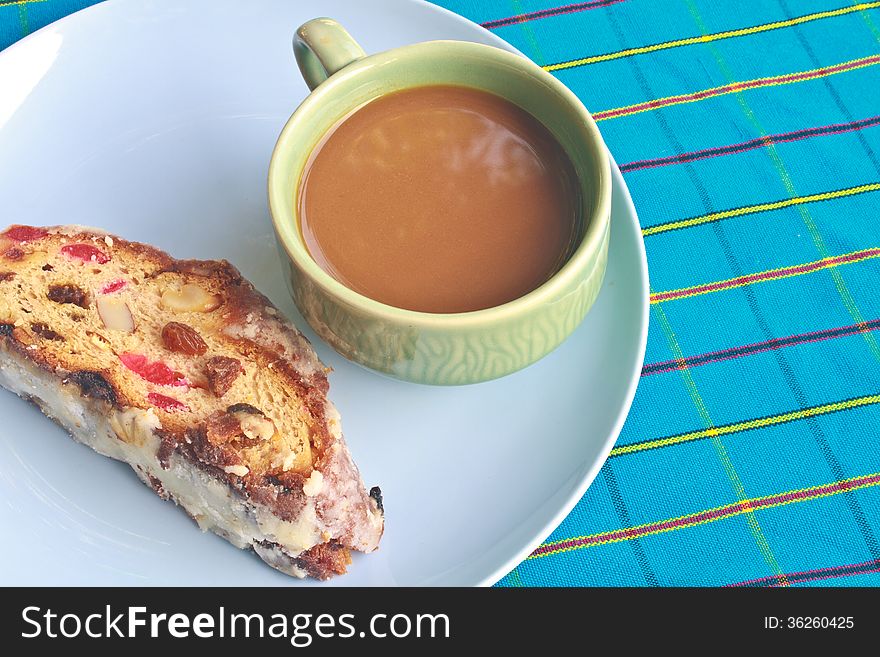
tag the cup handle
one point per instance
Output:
(322, 47)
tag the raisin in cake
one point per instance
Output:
(184, 371)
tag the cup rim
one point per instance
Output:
(581, 261)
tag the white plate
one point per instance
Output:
(156, 120)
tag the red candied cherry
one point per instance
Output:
(25, 233)
(153, 371)
(166, 403)
(85, 252)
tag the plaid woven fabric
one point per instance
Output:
(749, 135)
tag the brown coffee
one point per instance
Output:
(439, 199)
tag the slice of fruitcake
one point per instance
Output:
(184, 371)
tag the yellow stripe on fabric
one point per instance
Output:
(768, 275)
(720, 449)
(761, 207)
(748, 425)
(837, 276)
(797, 495)
(711, 37)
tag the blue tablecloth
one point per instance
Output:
(749, 135)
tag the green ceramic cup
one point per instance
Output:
(442, 349)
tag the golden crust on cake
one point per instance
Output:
(189, 362)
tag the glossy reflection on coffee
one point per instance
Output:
(439, 199)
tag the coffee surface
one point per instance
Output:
(439, 199)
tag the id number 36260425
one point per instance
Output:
(808, 622)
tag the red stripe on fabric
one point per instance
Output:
(636, 532)
(752, 144)
(817, 574)
(842, 574)
(547, 13)
(736, 86)
(712, 514)
(759, 347)
(765, 275)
